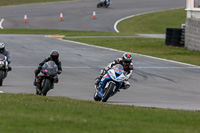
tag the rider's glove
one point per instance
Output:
(106, 68)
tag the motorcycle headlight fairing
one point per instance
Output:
(113, 76)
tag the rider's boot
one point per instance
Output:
(9, 68)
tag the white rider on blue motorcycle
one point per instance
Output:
(126, 62)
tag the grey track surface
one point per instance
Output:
(155, 83)
(78, 14)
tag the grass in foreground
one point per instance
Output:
(26, 113)
(147, 46)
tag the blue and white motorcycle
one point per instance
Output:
(110, 83)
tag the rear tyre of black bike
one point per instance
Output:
(99, 5)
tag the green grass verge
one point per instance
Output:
(147, 46)
(19, 2)
(36, 114)
(30, 113)
(153, 23)
(67, 33)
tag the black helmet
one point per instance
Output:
(2, 46)
(54, 55)
(127, 58)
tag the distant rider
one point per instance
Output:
(5, 52)
(54, 56)
(126, 62)
(104, 1)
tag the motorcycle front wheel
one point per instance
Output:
(46, 86)
(108, 92)
(1, 77)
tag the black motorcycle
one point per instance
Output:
(4, 68)
(105, 4)
(48, 76)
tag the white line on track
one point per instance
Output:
(87, 67)
(1, 91)
(116, 23)
(1, 27)
(115, 27)
(176, 62)
(67, 67)
(195, 67)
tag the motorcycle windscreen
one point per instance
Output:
(50, 67)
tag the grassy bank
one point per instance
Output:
(153, 23)
(35, 114)
(19, 2)
(147, 46)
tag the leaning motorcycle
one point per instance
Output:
(105, 4)
(110, 83)
(46, 78)
(3, 68)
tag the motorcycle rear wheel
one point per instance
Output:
(46, 86)
(99, 5)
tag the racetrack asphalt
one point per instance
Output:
(155, 82)
(77, 15)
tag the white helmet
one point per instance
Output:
(2, 46)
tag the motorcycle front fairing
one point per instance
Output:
(110, 76)
(49, 70)
(3, 62)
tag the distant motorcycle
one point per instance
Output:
(49, 76)
(105, 4)
(110, 83)
(4, 68)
